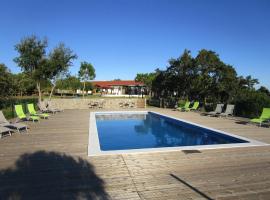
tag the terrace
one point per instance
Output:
(51, 162)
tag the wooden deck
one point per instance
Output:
(51, 162)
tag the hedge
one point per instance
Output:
(251, 103)
(7, 105)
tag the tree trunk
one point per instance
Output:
(51, 92)
(39, 92)
(83, 88)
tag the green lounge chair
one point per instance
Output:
(194, 107)
(265, 116)
(33, 112)
(20, 114)
(185, 107)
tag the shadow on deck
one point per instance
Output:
(50, 175)
(191, 187)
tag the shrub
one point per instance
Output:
(249, 103)
(7, 104)
(153, 102)
(170, 102)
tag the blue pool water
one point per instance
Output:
(137, 131)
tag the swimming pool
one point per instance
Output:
(127, 132)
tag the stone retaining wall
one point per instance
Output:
(109, 103)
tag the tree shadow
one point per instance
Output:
(191, 187)
(50, 175)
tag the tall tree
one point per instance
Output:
(159, 84)
(226, 83)
(208, 65)
(60, 59)
(182, 71)
(34, 61)
(86, 73)
(31, 59)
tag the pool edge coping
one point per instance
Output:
(93, 148)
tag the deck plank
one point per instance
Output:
(51, 162)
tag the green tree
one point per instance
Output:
(31, 59)
(69, 83)
(73, 83)
(86, 73)
(264, 90)
(226, 83)
(5, 81)
(182, 71)
(89, 86)
(247, 82)
(60, 59)
(159, 84)
(208, 65)
(23, 84)
(147, 79)
(41, 67)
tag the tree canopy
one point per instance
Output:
(208, 79)
(41, 67)
(204, 77)
(59, 61)
(86, 73)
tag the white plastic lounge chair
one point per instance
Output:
(101, 104)
(228, 112)
(121, 104)
(51, 107)
(4, 130)
(5, 123)
(218, 110)
(43, 107)
(132, 105)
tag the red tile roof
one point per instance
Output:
(108, 84)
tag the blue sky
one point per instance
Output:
(123, 37)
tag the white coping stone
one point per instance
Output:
(94, 145)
